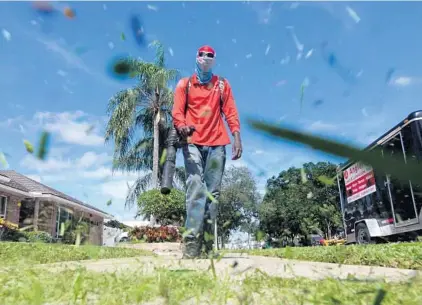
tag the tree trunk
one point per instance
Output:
(155, 157)
(156, 151)
(328, 231)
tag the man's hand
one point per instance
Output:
(236, 147)
(186, 131)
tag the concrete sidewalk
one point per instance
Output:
(240, 265)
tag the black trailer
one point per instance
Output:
(377, 206)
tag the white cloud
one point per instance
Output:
(69, 127)
(88, 171)
(56, 163)
(116, 189)
(90, 159)
(321, 126)
(98, 173)
(106, 172)
(356, 131)
(53, 178)
(10, 122)
(49, 165)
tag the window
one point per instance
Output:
(26, 214)
(3, 206)
(63, 215)
(401, 193)
(412, 143)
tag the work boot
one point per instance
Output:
(191, 247)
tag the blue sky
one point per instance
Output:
(47, 82)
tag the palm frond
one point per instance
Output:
(152, 76)
(137, 158)
(121, 125)
(159, 52)
(141, 185)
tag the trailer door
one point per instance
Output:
(401, 196)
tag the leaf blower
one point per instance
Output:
(173, 143)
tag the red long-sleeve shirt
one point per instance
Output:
(204, 111)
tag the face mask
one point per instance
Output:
(205, 63)
(204, 68)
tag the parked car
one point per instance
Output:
(124, 237)
(317, 240)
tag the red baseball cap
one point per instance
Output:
(207, 49)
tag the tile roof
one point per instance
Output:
(12, 183)
(24, 183)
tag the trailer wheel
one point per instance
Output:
(362, 235)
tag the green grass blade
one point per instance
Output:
(387, 165)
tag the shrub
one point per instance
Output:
(38, 236)
(137, 232)
(156, 234)
(74, 227)
(69, 238)
(168, 209)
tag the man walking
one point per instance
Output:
(199, 105)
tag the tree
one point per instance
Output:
(139, 121)
(168, 209)
(238, 203)
(300, 201)
(329, 217)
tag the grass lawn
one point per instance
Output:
(399, 255)
(39, 253)
(30, 283)
(39, 286)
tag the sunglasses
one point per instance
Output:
(206, 54)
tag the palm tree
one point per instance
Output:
(140, 118)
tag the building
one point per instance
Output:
(28, 203)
